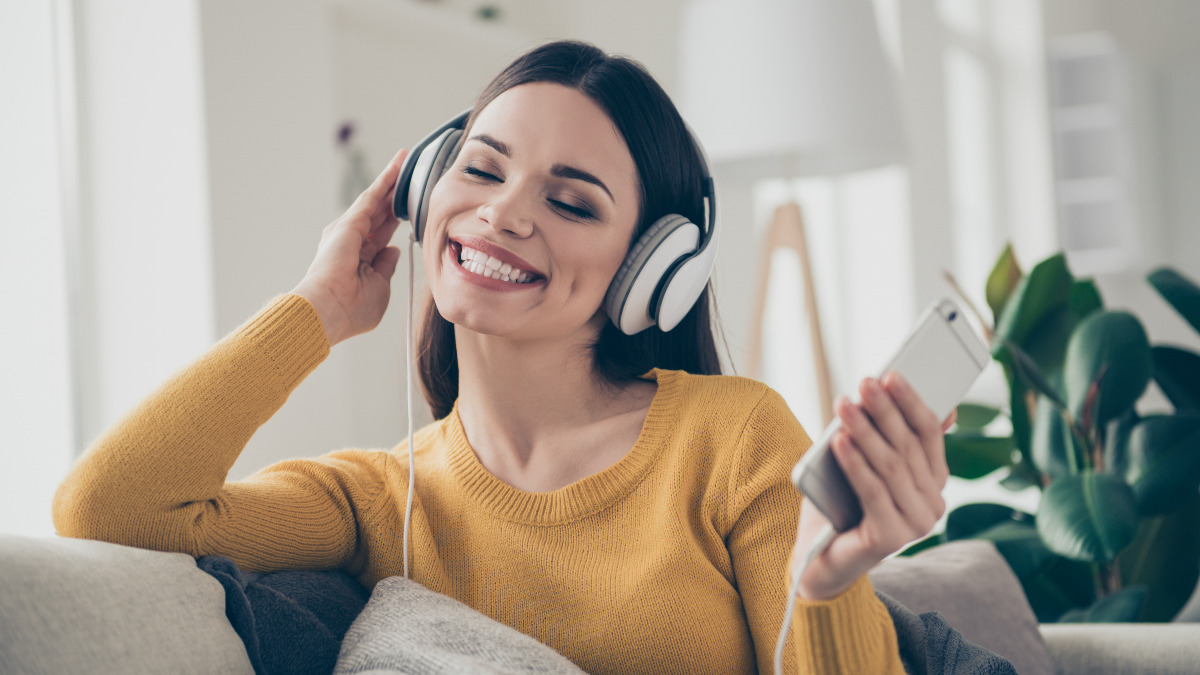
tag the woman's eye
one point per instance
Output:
(478, 173)
(575, 211)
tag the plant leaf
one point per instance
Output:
(1030, 374)
(1164, 462)
(1019, 412)
(1088, 517)
(969, 520)
(975, 416)
(1052, 446)
(935, 539)
(1022, 548)
(1123, 606)
(1019, 478)
(971, 454)
(1179, 291)
(1062, 586)
(1085, 299)
(1001, 282)
(1047, 344)
(1116, 442)
(1052, 583)
(1045, 290)
(1165, 556)
(1113, 345)
(1177, 372)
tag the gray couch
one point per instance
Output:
(69, 605)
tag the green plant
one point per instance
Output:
(1116, 536)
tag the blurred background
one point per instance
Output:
(166, 168)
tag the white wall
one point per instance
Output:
(145, 304)
(270, 110)
(1158, 38)
(37, 425)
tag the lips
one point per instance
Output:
(481, 258)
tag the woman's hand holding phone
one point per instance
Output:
(892, 450)
(349, 280)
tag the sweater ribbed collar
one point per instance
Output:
(582, 498)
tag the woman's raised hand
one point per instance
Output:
(349, 281)
(891, 447)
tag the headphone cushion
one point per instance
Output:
(635, 288)
(433, 162)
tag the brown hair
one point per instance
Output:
(670, 172)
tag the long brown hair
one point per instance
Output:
(670, 172)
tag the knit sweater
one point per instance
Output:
(672, 560)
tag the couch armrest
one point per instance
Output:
(1123, 648)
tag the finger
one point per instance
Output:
(949, 422)
(889, 463)
(385, 262)
(380, 235)
(894, 428)
(380, 191)
(880, 513)
(895, 517)
(922, 420)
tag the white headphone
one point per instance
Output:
(663, 274)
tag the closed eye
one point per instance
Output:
(477, 173)
(574, 211)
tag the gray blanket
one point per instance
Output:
(929, 645)
(406, 628)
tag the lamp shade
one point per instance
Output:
(789, 87)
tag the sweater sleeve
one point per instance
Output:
(852, 633)
(156, 479)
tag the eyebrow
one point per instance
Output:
(559, 170)
(564, 171)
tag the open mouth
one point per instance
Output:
(478, 262)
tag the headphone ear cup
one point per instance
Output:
(683, 285)
(634, 294)
(430, 165)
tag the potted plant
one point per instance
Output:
(1116, 536)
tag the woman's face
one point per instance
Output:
(531, 223)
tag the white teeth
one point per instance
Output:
(478, 262)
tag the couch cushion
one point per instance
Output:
(75, 606)
(1123, 648)
(978, 594)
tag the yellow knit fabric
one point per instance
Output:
(670, 561)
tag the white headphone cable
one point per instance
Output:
(819, 545)
(408, 362)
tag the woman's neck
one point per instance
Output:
(538, 415)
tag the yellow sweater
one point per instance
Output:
(670, 561)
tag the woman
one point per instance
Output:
(600, 492)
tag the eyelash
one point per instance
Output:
(575, 211)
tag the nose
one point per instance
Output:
(509, 211)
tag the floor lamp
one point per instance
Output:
(784, 89)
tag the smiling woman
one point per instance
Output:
(592, 482)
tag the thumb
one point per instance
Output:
(385, 261)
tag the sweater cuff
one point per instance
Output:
(289, 332)
(854, 626)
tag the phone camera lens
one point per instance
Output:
(953, 316)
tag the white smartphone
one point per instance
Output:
(941, 358)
